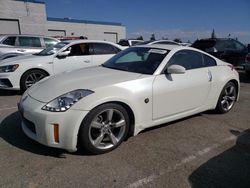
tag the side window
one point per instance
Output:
(229, 45)
(49, 42)
(79, 49)
(124, 43)
(208, 61)
(10, 41)
(102, 48)
(239, 46)
(188, 59)
(29, 41)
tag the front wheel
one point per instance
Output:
(227, 98)
(104, 128)
(31, 77)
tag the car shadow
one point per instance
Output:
(9, 92)
(11, 132)
(229, 169)
(169, 123)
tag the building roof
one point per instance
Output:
(32, 1)
(69, 20)
(82, 21)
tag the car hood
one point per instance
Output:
(26, 59)
(88, 78)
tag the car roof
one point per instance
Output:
(3, 36)
(161, 46)
(164, 40)
(91, 41)
(25, 35)
(174, 47)
(214, 39)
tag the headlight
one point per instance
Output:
(8, 68)
(64, 102)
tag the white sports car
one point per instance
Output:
(23, 71)
(140, 87)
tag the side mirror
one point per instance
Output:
(211, 50)
(176, 69)
(63, 54)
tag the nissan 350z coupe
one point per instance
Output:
(98, 107)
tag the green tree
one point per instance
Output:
(152, 37)
(213, 36)
(139, 38)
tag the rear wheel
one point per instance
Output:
(104, 128)
(227, 98)
(31, 77)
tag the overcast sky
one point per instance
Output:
(185, 19)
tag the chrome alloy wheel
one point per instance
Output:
(33, 78)
(228, 97)
(107, 129)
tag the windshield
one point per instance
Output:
(144, 42)
(137, 59)
(204, 44)
(53, 49)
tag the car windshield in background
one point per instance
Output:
(138, 60)
(204, 44)
(143, 43)
(53, 49)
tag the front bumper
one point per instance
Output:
(39, 124)
(10, 81)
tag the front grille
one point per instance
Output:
(30, 125)
(5, 83)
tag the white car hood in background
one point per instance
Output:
(88, 78)
(25, 59)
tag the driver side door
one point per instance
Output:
(79, 57)
(180, 94)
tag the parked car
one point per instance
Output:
(24, 71)
(247, 65)
(129, 42)
(185, 44)
(227, 49)
(15, 45)
(169, 42)
(140, 87)
(63, 38)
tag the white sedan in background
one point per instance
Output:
(167, 42)
(97, 107)
(24, 71)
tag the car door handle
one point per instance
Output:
(210, 76)
(87, 61)
(21, 50)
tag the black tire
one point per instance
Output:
(85, 139)
(39, 74)
(229, 97)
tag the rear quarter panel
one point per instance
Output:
(222, 74)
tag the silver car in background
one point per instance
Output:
(15, 45)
